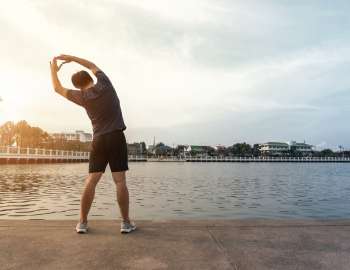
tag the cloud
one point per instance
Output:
(235, 70)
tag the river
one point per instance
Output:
(162, 190)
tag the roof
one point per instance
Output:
(278, 143)
(199, 148)
(302, 144)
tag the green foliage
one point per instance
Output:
(327, 153)
(163, 150)
(241, 149)
(256, 150)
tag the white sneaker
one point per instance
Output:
(126, 227)
(81, 228)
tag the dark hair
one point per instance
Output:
(81, 79)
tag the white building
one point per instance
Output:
(274, 148)
(79, 135)
(84, 136)
(282, 148)
(301, 147)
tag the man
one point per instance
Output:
(109, 145)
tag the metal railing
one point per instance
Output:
(38, 153)
(245, 159)
(9, 152)
(268, 159)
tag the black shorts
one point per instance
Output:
(109, 148)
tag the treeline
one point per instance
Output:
(238, 150)
(247, 150)
(21, 134)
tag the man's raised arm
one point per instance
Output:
(81, 61)
(55, 81)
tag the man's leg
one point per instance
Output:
(122, 194)
(88, 195)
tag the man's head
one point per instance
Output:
(82, 79)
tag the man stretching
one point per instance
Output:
(109, 145)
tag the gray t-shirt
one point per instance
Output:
(101, 104)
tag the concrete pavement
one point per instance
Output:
(225, 244)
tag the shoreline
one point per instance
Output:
(26, 160)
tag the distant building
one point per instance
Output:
(199, 150)
(79, 135)
(220, 150)
(274, 148)
(137, 148)
(303, 148)
(180, 150)
(84, 136)
(285, 149)
(151, 149)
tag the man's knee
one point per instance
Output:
(93, 178)
(119, 178)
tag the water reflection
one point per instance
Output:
(181, 190)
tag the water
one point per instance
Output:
(182, 191)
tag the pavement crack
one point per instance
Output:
(222, 249)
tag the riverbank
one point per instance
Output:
(234, 244)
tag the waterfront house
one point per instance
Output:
(79, 135)
(300, 149)
(220, 150)
(199, 150)
(274, 149)
(137, 149)
(286, 149)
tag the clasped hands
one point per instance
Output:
(65, 58)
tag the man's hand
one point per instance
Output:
(70, 58)
(65, 57)
(64, 62)
(55, 81)
(53, 65)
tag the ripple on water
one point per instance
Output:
(159, 190)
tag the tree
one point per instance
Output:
(256, 150)
(7, 134)
(143, 147)
(241, 149)
(22, 134)
(162, 150)
(327, 153)
(34, 137)
(221, 151)
(293, 152)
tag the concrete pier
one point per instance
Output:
(236, 244)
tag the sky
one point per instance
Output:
(187, 71)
